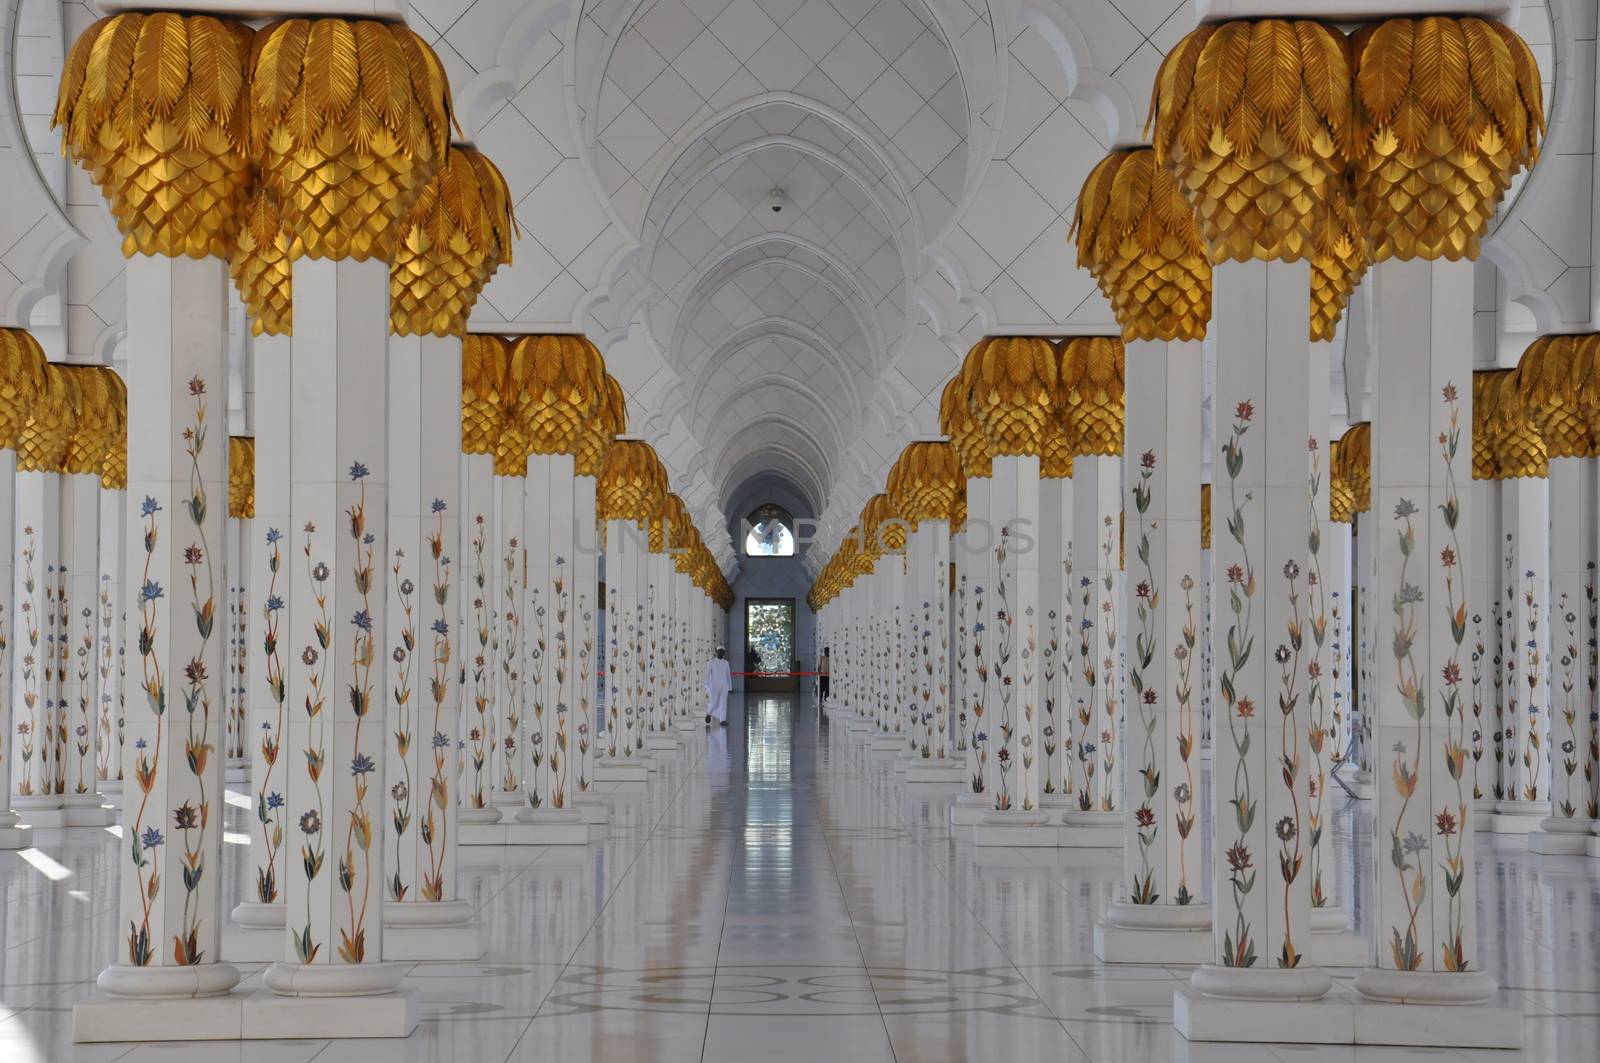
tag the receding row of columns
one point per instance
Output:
(1245, 238)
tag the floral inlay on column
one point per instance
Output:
(269, 798)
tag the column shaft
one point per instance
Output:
(338, 578)
(170, 874)
(1424, 916)
(509, 790)
(480, 584)
(272, 647)
(1263, 398)
(1162, 843)
(1057, 639)
(423, 701)
(1525, 524)
(110, 650)
(80, 610)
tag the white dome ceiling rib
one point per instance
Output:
(777, 349)
(810, 290)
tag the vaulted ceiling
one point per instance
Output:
(929, 153)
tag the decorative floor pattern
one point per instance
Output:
(778, 896)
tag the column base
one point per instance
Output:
(1022, 829)
(885, 742)
(327, 981)
(858, 724)
(532, 826)
(1482, 813)
(256, 935)
(688, 725)
(1090, 830)
(662, 743)
(508, 801)
(146, 984)
(15, 836)
(935, 770)
(437, 930)
(1249, 1004)
(969, 808)
(1057, 802)
(238, 771)
(1592, 846)
(478, 816)
(1560, 836)
(53, 817)
(593, 808)
(111, 789)
(245, 1016)
(1518, 817)
(1154, 933)
(1433, 1009)
(87, 815)
(623, 769)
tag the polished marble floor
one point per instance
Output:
(778, 895)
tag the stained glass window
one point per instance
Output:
(769, 628)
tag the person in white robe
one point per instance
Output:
(719, 680)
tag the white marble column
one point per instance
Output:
(335, 750)
(480, 587)
(1015, 816)
(1160, 914)
(1572, 678)
(111, 650)
(424, 915)
(1057, 639)
(552, 633)
(260, 915)
(1365, 647)
(1094, 815)
(929, 553)
(80, 609)
(1336, 577)
(960, 651)
(1424, 918)
(38, 774)
(586, 606)
(625, 728)
(976, 559)
(1525, 529)
(508, 792)
(1335, 945)
(12, 836)
(1261, 896)
(170, 904)
(1486, 750)
(237, 761)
